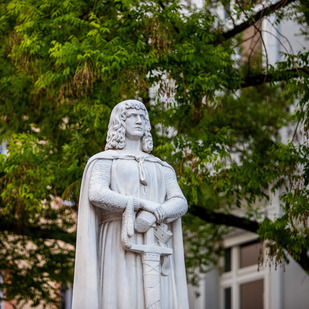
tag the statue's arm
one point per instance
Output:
(100, 193)
(174, 207)
(176, 204)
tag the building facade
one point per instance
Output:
(245, 278)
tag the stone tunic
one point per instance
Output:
(120, 271)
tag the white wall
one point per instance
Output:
(295, 287)
(282, 38)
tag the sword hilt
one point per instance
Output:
(151, 248)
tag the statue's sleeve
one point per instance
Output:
(176, 204)
(100, 193)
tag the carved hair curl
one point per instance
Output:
(116, 138)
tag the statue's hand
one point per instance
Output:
(149, 205)
(152, 213)
(159, 213)
(155, 208)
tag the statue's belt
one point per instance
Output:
(160, 230)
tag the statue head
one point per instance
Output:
(116, 135)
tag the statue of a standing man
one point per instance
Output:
(129, 252)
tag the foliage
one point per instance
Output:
(65, 64)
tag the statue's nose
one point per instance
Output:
(138, 119)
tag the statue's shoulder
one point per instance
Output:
(108, 155)
(114, 154)
(158, 160)
(104, 155)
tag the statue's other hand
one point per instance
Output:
(144, 221)
(153, 212)
(149, 205)
(160, 214)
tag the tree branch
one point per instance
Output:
(253, 19)
(245, 224)
(43, 232)
(224, 219)
(163, 8)
(259, 79)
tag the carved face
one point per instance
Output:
(135, 123)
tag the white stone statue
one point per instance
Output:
(129, 252)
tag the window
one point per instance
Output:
(227, 9)
(251, 295)
(227, 260)
(242, 282)
(3, 148)
(250, 253)
(227, 298)
(66, 298)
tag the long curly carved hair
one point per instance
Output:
(116, 138)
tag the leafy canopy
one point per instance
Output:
(216, 119)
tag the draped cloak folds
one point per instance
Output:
(106, 276)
